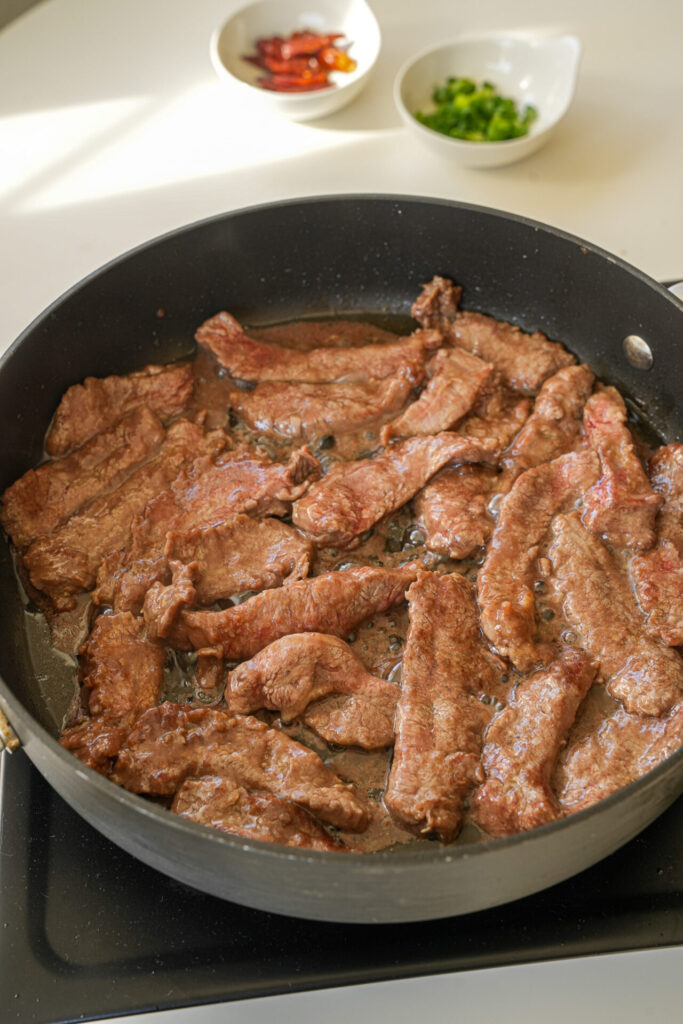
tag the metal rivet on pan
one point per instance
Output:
(638, 352)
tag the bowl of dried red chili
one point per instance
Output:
(302, 60)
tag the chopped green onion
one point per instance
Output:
(465, 110)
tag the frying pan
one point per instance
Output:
(359, 254)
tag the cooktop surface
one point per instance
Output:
(88, 931)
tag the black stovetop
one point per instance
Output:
(87, 931)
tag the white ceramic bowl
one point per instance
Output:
(238, 35)
(536, 70)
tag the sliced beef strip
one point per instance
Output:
(657, 576)
(353, 721)
(506, 578)
(455, 506)
(99, 402)
(306, 411)
(46, 497)
(665, 470)
(163, 604)
(171, 743)
(437, 304)
(623, 749)
(334, 603)
(245, 480)
(241, 554)
(123, 673)
(207, 493)
(523, 742)
(65, 563)
(601, 608)
(305, 335)
(222, 804)
(122, 586)
(621, 507)
(523, 360)
(457, 379)
(453, 510)
(250, 360)
(555, 425)
(354, 496)
(292, 673)
(440, 720)
(497, 419)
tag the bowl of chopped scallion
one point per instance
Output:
(488, 100)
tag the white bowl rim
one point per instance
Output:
(493, 36)
(292, 97)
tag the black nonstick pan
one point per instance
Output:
(359, 254)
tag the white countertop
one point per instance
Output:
(114, 129)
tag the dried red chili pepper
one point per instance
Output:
(336, 60)
(291, 83)
(306, 42)
(301, 62)
(295, 66)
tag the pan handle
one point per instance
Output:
(8, 738)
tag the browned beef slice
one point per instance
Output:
(98, 402)
(122, 586)
(296, 671)
(440, 720)
(437, 303)
(124, 674)
(163, 604)
(600, 606)
(353, 721)
(665, 469)
(454, 507)
(619, 752)
(310, 334)
(497, 419)
(171, 743)
(244, 480)
(247, 359)
(523, 360)
(658, 575)
(208, 492)
(622, 506)
(453, 510)
(658, 581)
(241, 554)
(65, 562)
(457, 379)
(355, 495)
(522, 744)
(306, 411)
(45, 497)
(554, 427)
(224, 805)
(335, 603)
(506, 578)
